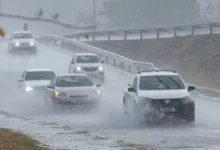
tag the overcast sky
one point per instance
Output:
(68, 9)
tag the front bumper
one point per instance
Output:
(92, 101)
(184, 111)
(97, 77)
(24, 48)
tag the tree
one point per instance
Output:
(39, 13)
(55, 16)
(149, 13)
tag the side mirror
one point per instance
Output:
(131, 89)
(102, 62)
(20, 80)
(191, 88)
(50, 87)
(98, 85)
(129, 85)
(72, 62)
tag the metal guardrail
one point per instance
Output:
(112, 59)
(141, 32)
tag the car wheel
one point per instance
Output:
(190, 118)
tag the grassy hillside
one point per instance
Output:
(197, 58)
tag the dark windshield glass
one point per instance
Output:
(73, 81)
(22, 36)
(161, 83)
(39, 75)
(87, 59)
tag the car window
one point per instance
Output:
(39, 75)
(52, 83)
(73, 81)
(135, 84)
(161, 82)
(23, 75)
(22, 36)
(87, 59)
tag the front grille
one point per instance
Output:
(90, 69)
(162, 103)
(39, 88)
(24, 44)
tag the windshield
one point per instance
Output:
(73, 81)
(161, 83)
(39, 75)
(87, 59)
(22, 36)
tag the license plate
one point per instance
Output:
(169, 109)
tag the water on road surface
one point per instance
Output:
(106, 129)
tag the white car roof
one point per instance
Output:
(71, 75)
(36, 70)
(85, 54)
(158, 73)
(17, 32)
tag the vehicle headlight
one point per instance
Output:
(144, 100)
(28, 89)
(100, 68)
(78, 68)
(17, 43)
(32, 43)
(187, 99)
(98, 92)
(60, 94)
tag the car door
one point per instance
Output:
(50, 89)
(133, 95)
(21, 81)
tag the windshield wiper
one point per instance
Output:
(177, 84)
(167, 87)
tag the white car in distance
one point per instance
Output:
(72, 90)
(22, 41)
(35, 80)
(90, 64)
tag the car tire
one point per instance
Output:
(190, 118)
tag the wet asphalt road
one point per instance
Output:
(87, 130)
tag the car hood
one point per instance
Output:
(23, 40)
(90, 65)
(37, 83)
(77, 90)
(164, 94)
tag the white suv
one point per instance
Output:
(156, 94)
(90, 64)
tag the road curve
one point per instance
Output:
(104, 130)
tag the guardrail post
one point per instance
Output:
(122, 65)
(109, 36)
(114, 62)
(106, 58)
(211, 29)
(129, 68)
(158, 34)
(93, 36)
(174, 32)
(138, 69)
(193, 28)
(125, 35)
(141, 35)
